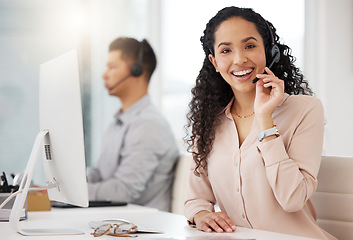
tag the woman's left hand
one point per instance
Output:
(266, 101)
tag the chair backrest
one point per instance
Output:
(180, 184)
(333, 198)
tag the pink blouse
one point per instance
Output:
(265, 185)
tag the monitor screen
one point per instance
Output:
(60, 113)
(60, 139)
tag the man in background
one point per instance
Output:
(139, 152)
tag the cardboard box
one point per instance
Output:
(38, 201)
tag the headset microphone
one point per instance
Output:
(275, 59)
(121, 80)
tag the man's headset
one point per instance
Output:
(272, 51)
(136, 69)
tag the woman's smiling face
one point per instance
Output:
(239, 53)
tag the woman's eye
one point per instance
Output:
(225, 51)
(249, 46)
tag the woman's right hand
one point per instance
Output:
(218, 221)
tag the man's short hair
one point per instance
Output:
(130, 48)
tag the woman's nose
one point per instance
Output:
(239, 58)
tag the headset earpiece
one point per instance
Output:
(137, 69)
(276, 55)
(272, 51)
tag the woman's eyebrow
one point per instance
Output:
(243, 41)
(248, 38)
(223, 43)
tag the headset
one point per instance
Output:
(136, 69)
(272, 51)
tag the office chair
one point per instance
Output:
(180, 184)
(333, 198)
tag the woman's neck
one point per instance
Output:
(243, 103)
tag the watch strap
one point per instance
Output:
(268, 132)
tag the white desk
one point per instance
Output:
(173, 225)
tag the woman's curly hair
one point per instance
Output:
(212, 93)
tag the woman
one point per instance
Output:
(256, 146)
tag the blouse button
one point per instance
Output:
(243, 215)
(237, 189)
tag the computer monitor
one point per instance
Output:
(60, 139)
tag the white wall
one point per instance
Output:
(329, 67)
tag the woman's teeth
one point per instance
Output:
(242, 73)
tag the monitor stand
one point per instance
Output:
(17, 208)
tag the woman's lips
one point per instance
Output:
(243, 75)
